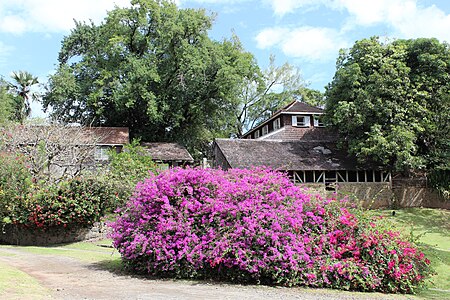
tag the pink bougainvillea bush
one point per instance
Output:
(255, 226)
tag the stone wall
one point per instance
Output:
(14, 235)
(369, 195)
(381, 194)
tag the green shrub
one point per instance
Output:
(125, 170)
(15, 182)
(76, 202)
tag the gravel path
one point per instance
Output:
(68, 278)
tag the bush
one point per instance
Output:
(77, 202)
(125, 170)
(15, 181)
(255, 226)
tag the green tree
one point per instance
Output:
(152, 68)
(390, 102)
(310, 96)
(6, 103)
(264, 92)
(22, 86)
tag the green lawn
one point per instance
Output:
(431, 228)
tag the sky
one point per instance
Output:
(305, 33)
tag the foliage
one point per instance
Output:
(257, 226)
(6, 103)
(440, 181)
(15, 181)
(77, 202)
(22, 86)
(431, 229)
(311, 96)
(126, 169)
(390, 102)
(153, 68)
(265, 92)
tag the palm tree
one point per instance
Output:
(21, 87)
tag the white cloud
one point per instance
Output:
(18, 16)
(310, 43)
(405, 17)
(5, 51)
(282, 7)
(271, 36)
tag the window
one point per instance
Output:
(301, 121)
(101, 153)
(256, 134)
(265, 130)
(318, 121)
(276, 124)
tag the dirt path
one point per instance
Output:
(68, 278)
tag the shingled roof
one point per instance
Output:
(109, 135)
(290, 155)
(301, 107)
(168, 152)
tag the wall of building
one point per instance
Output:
(381, 195)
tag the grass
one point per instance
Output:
(430, 228)
(15, 284)
(83, 251)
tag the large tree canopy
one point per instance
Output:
(390, 101)
(153, 68)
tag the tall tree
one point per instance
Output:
(264, 92)
(153, 68)
(21, 85)
(6, 103)
(311, 96)
(390, 102)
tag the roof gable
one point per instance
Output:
(301, 107)
(167, 152)
(292, 108)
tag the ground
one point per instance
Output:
(91, 270)
(87, 271)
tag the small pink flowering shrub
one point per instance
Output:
(255, 226)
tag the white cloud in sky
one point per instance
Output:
(282, 7)
(5, 51)
(310, 43)
(19, 16)
(404, 18)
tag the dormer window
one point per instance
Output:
(265, 130)
(256, 134)
(301, 121)
(318, 121)
(276, 124)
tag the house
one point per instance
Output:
(295, 140)
(58, 150)
(107, 138)
(169, 154)
(294, 122)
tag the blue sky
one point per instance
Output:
(306, 33)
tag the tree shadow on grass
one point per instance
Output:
(422, 219)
